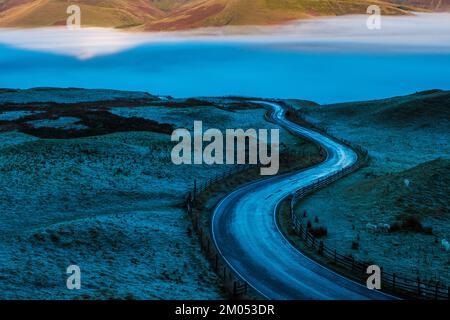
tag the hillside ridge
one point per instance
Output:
(166, 15)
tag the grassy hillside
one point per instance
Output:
(183, 14)
(260, 12)
(418, 111)
(407, 138)
(113, 13)
(426, 196)
(418, 214)
(110, 203)
(435, 5)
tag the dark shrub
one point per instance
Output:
(39, 237)
(428, 230)
(318, 232)
(54, 237)
(355, 245)
(395, 227)
(412, 223)
(316, 219)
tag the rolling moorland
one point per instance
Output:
(86, 178)
(155, 15)
(406, 183)
(89, 173)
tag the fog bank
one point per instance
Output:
(419, 33)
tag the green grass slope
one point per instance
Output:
(185, 14)
(205, 13)
(113, 13)
(420, 110)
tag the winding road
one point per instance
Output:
(245, 231)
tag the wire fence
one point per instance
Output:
(233, 283)
(413, 288)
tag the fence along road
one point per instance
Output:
(246, 234)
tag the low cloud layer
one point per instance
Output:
(422, 32)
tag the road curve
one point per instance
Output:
(245, 231)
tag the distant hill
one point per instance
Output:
(185, 14)
(425, 197)
(420, 110)
(111, 13)
(434, 5)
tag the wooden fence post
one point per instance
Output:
(418, 286)
(436, 290)
(292, 206)
(321, 246)
(216, 262)
(197, 220)
(393, 279)
(381, 274)
(194, 223)
(195, 190)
